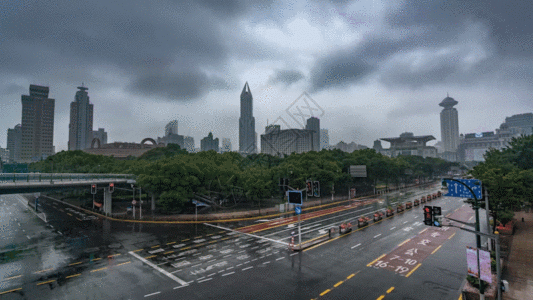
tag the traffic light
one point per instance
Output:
(316, 189)
(309, 189)
(437, 219)
(111, 187)
(93, 189)
(428, 215)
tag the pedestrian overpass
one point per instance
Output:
(27, 183)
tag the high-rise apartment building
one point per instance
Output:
(324, 139)
(188, 144)
(208, 143)
(81, 121)
(14, 143)
(524, 121)
(101, 134)
(247, 134)
(4, 156)
(449, 125)
(279, 142)
(226, 145)
(171, 128)
(37, 124)
(313, 124)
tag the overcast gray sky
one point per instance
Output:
(375, 68)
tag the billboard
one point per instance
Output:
(358, 171)
(471, 261)
(484, 264)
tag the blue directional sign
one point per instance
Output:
(456, 189)
(298, 210)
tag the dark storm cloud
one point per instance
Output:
(178, 39)
(286, 77)
(433, 25)
(510, 22)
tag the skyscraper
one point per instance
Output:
(324, 139)
(449, 124)
(208, 143)
(37, 124)
(80, 133)
(14, 143)
(188, 144)
(314, 125)
(171, 128)
(226, 145)
(247, 134)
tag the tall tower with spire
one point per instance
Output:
(247, 134)
(449, 124)
(81, 121)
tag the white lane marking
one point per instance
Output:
(254, 259)
(180, 281)
(246, 262)
(393, 228)
(239, 265)
(377, 235)
(322, 231)
(248, 234)
(28, 237)
(356, 245)
(221, 271)
(200, 278)
(294, 254)
(211, 274)
(179, 287)
(228, 273)
(227, 255)
(405, 222)
(248, 268)
(280, 258)
(266, 262)
(211, 260)
(152, 294)
(229, 268)
(204, 280)
(175, 271)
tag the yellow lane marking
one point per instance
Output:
(212, 242)
(381, 297)
(185, 248)
(99, 269)
(168, 252)
(436, 249)
(371, 263)
(222, 231)
(76, 263)
(13, 277)
(69, 214)
(138, 250)
(148, 257)
(325, 292)
(73, 275)
(114, 255)
(185, 240)
(409, 274)
(124, 263)
(224, 239)
(44, 270)
(338, 283)
(155, 246)
(40, 283)
(407, 240)
(422, 231)
(451, 236)
(460, 297)
(13, 290)
(390, 290)
(95, 259)
(198, 237)
(210, 234)
(171, 243)
(350, 276)
(79, 219)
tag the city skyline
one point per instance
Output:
(373, 72)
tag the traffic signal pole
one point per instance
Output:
(478, 242)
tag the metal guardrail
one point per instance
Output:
(59, 177)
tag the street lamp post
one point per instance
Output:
(133, 201)
(140, 204)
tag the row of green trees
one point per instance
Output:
(176, 175)
(507, 175)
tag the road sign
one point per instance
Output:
(133, 202)
(295, 197)
(358, 171)
(298, 210)
(194, 202)
(456, 189)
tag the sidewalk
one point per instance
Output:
(519, 267)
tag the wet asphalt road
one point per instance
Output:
(74, 257)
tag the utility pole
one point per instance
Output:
(140, 205)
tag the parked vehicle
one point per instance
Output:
(400, 208)
(417, 202)
(423, 199)
(378, 216)
(428, 197)
(345, 228)
(363, 221)
(408, 204)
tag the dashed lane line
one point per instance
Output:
(152, 294)
(227, 274)
(356, 245)
(13, 290)
(247, 268)
(390, 290)
(45, 282)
